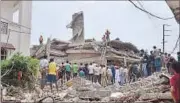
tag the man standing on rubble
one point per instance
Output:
(96, 73)
(134, 72)
(103, 76)
(125, 74)
(68, 70)
(117, 75)
(113, 73)
(52, 73)
(170, 62)
(75, 70)
(90, 67)
(121, 74)
(62, 73)
(109, 75)
(86, 70)
(144, 65)
(157, 59)
(100, 75)
(43, 70)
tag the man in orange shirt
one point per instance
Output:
(52, 73)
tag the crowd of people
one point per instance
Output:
(97, 73)
(106, 75)
(155, 61)
(114, 73)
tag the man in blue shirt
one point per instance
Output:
(113, 74)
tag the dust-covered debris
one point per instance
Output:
(153, 89)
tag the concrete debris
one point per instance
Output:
(117, 95)
(153, 89)
(105, 99)
(48, 100)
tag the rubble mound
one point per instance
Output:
(153, 89)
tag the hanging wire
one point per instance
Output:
(149, 12)
(155, 27)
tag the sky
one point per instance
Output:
(121, 18)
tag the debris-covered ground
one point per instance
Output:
(153, 89)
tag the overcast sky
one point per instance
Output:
(50, 18)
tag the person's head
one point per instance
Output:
(81, 64)
(176, 67)
(45, 57)
(154, 47)
(52, 60)
(90, 63)
(62, 63)
(67, 61)
(165, 54)
(151, 52)
(159, 50)
(178, 53)
(169, 55)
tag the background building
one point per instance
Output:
(174, 5)
(15, 27)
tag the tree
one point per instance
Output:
(18, 63)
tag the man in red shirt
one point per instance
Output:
(175, 82)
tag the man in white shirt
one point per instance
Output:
(156, 52)
(126, 74)
(117, 75)
(100, 74)
(109, 75)
(90, 68)
(96, 73)
(43, 70)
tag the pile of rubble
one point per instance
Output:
(153, 89)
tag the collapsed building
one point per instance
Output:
(82, 50)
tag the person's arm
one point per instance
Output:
(172, 92)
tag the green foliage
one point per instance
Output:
(29, 67)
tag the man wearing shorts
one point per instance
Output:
(43, 70)
(52, 74)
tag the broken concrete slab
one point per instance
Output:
(94, 94)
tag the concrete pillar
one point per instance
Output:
(25, 9)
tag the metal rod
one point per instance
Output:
(163, 37)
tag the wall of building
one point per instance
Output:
(25, 19)
(19, 33)
(80, 56)
(83, 58)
